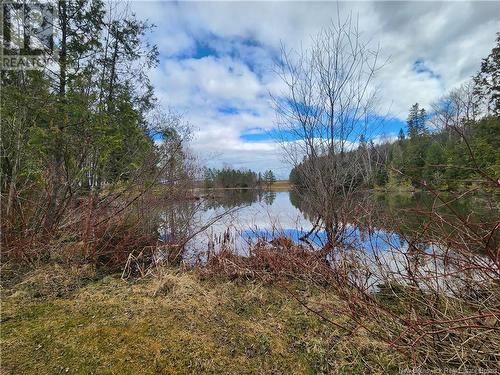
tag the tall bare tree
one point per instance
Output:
(324, 109)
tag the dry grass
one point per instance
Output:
(269, 262)
(281, 185)
(175, 323)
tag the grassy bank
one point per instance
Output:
(281, 185)
(61, 320)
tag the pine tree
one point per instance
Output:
(487, 81)
(269, 178)
(412, 121)
(416, 121)
(401, 135)
(421, 120)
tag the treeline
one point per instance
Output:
(453, 145)
(442, 159)
(237, 178)
(438, 158)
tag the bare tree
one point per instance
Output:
(457, 110)
(324, 109)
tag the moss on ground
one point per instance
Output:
(174, 324)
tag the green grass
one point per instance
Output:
(173, 324)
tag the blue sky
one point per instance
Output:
(217, 58)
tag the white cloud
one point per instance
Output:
(219, 56)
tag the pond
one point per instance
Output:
(237, 219)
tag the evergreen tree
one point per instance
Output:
(421, 122)
(416, 121)
(269, 178)
(83, 123)
(487, 80)
(434, 164)
(228, 177)
(401, 135)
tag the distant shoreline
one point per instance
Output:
(280, 185)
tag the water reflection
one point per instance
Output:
(387, 242)
(391, 221)
(262, 215)
(258, 215)
(237, 198)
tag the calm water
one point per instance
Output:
(249, 215)
(376, 242)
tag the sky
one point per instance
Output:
(217, 59)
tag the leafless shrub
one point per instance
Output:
(435, 298)
(278, 260)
